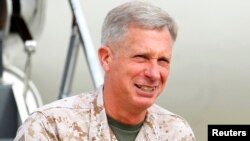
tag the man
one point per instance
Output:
(137, 40)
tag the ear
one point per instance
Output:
(104, 54)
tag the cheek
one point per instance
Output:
(120, 69)
(164, 75)
(135, 69)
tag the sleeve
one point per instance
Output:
(182, 131)
(34, 128)
(186, 132)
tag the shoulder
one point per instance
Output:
(68, 115)
(80, 101)
(70, 108)
(174, 125)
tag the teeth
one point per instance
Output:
(146, 88)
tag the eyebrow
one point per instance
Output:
(146, 54)
(165, 58)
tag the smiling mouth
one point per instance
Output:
(146, 88)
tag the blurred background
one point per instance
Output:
(209, 82)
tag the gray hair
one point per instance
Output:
(141, 14)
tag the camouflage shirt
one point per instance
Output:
(83, 118)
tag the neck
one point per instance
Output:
(123, 116)
(120, 111)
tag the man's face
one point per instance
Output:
(138, 69)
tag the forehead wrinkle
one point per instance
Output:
(141, 47)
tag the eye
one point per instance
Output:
(140, 58)
(164, 61)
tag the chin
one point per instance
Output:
(144, 103)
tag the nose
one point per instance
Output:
(152, 71)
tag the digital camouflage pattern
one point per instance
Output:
(83, 118)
